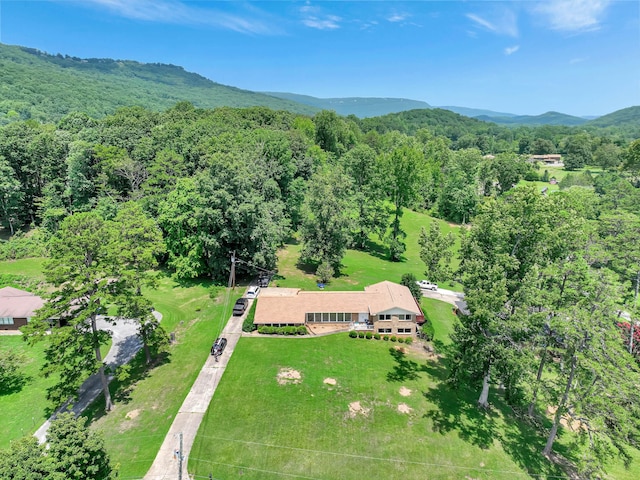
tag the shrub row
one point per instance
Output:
(377, 336)
(301, 330)
(22, 246)
(248, 325)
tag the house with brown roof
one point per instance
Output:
(551, 159)
(385, 307)
(17, 307)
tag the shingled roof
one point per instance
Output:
(289, 306)
(17, 303)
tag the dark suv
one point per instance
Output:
(218, 347)
(240, 306)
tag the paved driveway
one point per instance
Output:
(449, 296)
(191, 413)
(125, 344)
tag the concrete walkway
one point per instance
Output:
(191, 413)
(125, 344)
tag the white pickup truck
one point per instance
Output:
(427, 285)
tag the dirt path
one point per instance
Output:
(191, 413)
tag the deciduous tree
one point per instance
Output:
(436, 252)
(328, 217)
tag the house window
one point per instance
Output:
(384, 330)
(6, 320)
(384, 316)
(309, 317)
(404, 316)
(404, 330)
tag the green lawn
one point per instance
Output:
(29, 267)
(365, 268)
(258, 429)
(24, 408)
(146, 405)
(559, 173)
(442, 316)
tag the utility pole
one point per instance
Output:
(232, 275)
(180, 459)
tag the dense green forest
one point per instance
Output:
(546, 276)
(36, 85)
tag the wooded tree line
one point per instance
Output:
(546, 277)
(551, 283)
(228, 179)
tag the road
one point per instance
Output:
(449, 296)
(186, 423)
(125, 344)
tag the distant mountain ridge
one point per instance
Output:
(362, 107)
(367, 107)
(46, 87)
(548, 118)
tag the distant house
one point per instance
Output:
(17, 307)
(385, 307)
(551, 160)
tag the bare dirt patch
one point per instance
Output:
(404, 408)
(355, 409)
(330, 381)
(404, 391)
(289, 375)
(130, 420)
(566, 421)
(132, 414)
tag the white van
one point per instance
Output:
(252, 291)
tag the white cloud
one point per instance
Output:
(504, 22)
(313, 17)
(397, 17)
(511, 50)
(573, 61)
(572, 15)
(177, 12)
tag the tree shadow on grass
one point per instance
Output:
(376, 249)
(123, 384)
(456, 410)
(307, 267)
(13, 382)
(404, 369)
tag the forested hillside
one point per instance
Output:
(622, 118)
(545, 275)
(549, 118)
(36, 85)
(361, 107)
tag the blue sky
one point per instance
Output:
(580, 57)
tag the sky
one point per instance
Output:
(580, 57)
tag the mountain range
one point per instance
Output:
(45, 87)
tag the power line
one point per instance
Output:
(381, 459)
(293, 475)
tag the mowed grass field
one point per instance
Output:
(147, 403)
(362, 268)
(24, 408)
(388, 415)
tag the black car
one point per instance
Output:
(263, 280)
(240, 306)
(218, 346)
